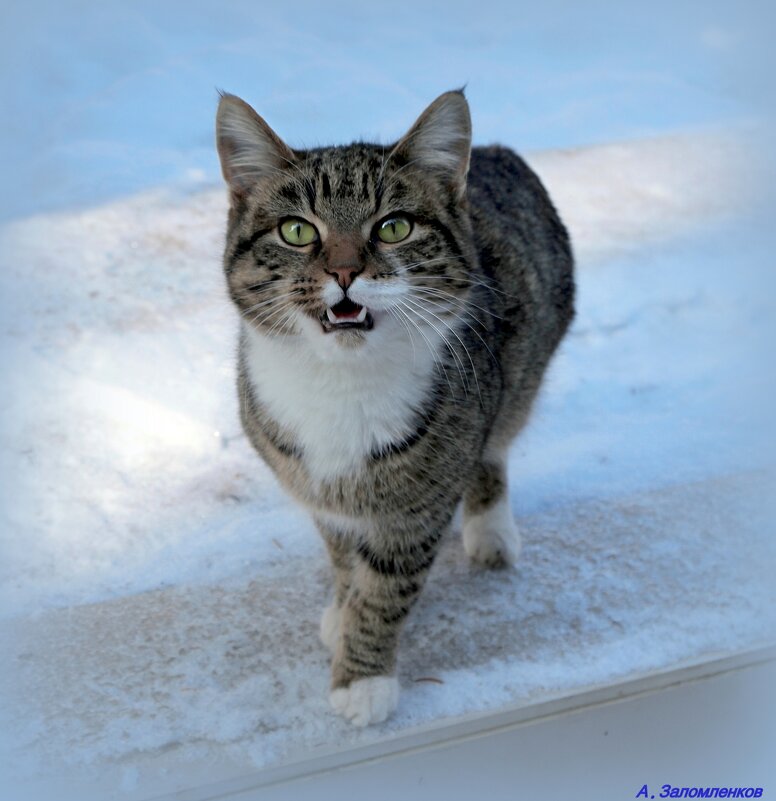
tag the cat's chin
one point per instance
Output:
(351, 338)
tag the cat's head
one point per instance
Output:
(336, 244)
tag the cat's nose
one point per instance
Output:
(342, 258)
(345, 275)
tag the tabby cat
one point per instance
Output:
(399, 305)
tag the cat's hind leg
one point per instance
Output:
(490, 534)
(331, 623)
(341, 554)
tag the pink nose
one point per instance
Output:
(344, 275)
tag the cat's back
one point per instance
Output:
(522, 243)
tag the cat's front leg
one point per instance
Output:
(386, 578)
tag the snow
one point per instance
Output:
(106, 99)
(158, 593)
(123, 389)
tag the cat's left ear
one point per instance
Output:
(248, 148)
(441, 140)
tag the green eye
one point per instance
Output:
(394, 229)
(298, 232)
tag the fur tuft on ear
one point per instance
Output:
(248, 148)
(441, 139)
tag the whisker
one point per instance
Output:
(458, 363)
(262, 319)
(393, 314)
(259, 293)
(471, 280)
(407, 267)
(283, 320)
(431, 349)
(464, 318)
(463, 345)
(462, 303)
(274, 299)
(485, 284)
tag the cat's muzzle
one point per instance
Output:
(346, 314)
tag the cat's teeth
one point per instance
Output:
(359, 318)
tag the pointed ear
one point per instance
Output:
(248, 148)
(441, 140)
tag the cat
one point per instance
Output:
(399, 305)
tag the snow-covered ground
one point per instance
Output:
(105, 98)
(125, 465)
(146, 551)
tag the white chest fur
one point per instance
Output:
(342, 404)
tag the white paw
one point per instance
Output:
(367, 700)
(492, 538)
(330, 626)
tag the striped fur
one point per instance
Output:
(381, 433)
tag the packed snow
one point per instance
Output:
(158, 593)
(126, 466)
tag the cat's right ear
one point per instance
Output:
(248, 148)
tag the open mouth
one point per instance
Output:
(347, 314)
